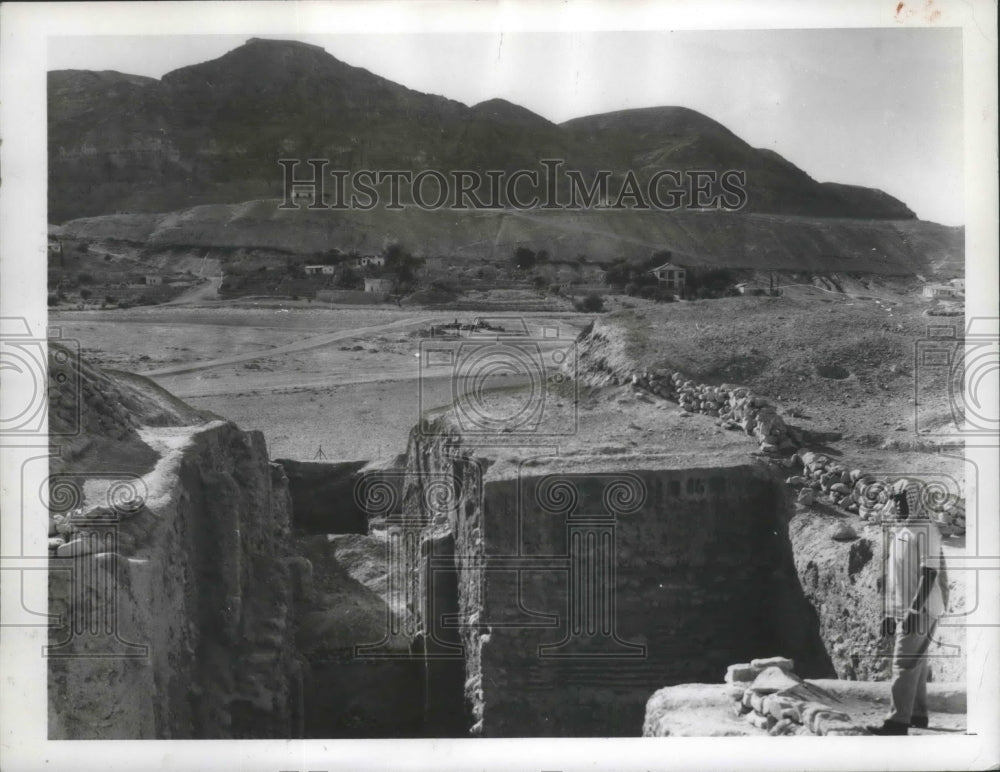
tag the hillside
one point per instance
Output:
(213, 133)
(901, 248)
(650, 139)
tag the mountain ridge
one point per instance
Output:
(213, 132)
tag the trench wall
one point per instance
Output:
(577, 592)
(323, 496)
(177, 613)
(617, 596)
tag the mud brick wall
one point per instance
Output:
(596, 586)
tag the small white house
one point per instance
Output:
(153, 280)
(365, 260)
(670, 276)
(935, 291)
(320, 270)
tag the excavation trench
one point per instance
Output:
(545, 603)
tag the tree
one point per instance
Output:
(524, 259)
(347, 278)
(592, 304)
(402, 263)
(621, 273)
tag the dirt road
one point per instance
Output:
(315, 341)
(203, 293)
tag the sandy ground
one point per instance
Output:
(320, 383)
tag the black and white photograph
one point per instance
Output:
(500, 385)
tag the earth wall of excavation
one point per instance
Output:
(579, 591)
(176, 612)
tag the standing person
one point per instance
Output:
(914, 601)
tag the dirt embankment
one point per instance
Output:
(171, 557)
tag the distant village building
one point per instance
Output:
(365, 260)
(378, 285)
(55, 248)
(317, 270)
(670, 276)
(942, 291)
(304, 195)
(153, 280)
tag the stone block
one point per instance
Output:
(783, 727)
(761, 722)
(742, 673)
(763, 663)
(774, 679)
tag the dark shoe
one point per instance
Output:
(919, 722)
(890, 728)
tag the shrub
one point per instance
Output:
(591, 304)
(85, 293)
(53, 299)
(84, 278)
(110, 299)
(523, 258)
(653, 292)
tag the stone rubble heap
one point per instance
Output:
(736, 407)
(769, 696)
(865, 495)
(816, 476)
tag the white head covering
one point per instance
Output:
(913, 491)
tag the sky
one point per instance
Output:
(875, 107)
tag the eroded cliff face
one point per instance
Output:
(176, 598)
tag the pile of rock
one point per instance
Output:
(865, 495)
(820, 477)
(735, 407)
(769, 696)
